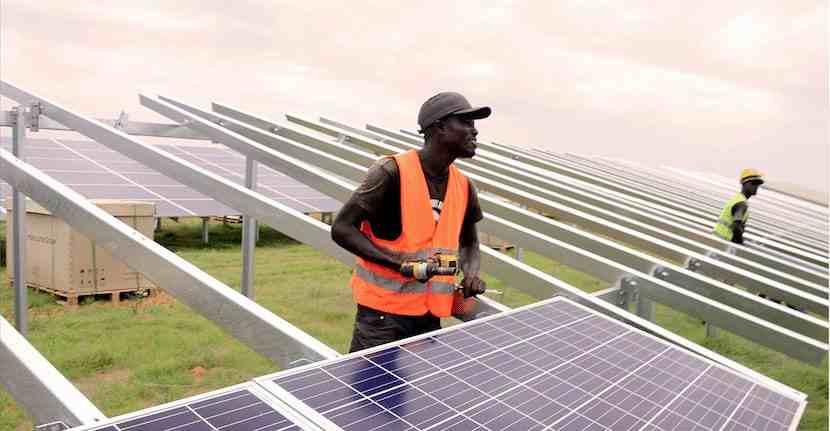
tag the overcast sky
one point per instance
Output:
(705, 85)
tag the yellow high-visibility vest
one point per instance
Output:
(726, 222)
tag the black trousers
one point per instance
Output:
(373, 328)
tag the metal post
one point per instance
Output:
(249, 234)
(645, 308)
(21, 319)
(205, 234)
(520, 252)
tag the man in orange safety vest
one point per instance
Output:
(411, 209)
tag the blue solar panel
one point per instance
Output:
(234, 409)
(97, 172)
(553, 365)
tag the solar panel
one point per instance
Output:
(97, 172)
(552, 365)
(240, 408)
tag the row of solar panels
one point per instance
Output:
(313, 160)
(97, 172)
(551, 365)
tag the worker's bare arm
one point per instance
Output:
(346, 233)
(469, 257)
(738, 211)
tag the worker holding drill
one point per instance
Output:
(412, 226)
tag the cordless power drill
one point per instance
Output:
(423, 270)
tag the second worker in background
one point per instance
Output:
(414, 211)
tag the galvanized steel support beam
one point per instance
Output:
(37, 387)
(249, 233)
(205, 231)
(18, 239)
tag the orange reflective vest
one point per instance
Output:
(384, 289)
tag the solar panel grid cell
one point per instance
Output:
(553, 366)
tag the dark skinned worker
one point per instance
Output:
(735, 213)
(733, 217)
(414, 211)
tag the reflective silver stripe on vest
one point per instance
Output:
(395, 286)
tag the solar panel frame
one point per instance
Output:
(286, 394)
(92, 169)
(204, 401)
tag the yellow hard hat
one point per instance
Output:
(750, 174)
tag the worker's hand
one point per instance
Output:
(472, 286)
(417, 270)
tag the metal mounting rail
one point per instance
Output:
(40, 389)
(779, 219)
(527, 168)
(328, 161)
(761, 231)
(135, 128)
(555, 162)
(548, 166)
(762, 263)
(819, 213)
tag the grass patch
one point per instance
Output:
(148, 351)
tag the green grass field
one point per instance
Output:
(153, 350)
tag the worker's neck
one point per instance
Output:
(435, 161)
(746, 194)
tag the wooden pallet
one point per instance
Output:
(74, 298)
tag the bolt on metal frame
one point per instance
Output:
(580, 258)
(765, 262)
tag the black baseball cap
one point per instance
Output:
(449, 103)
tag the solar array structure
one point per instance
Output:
(578, 361)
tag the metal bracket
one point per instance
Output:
(35, 111)
(122, 120)
(301, 361)
(693, 264)
(52, 426)
(628, 291)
